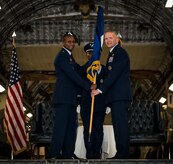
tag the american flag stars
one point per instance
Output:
(14, 69)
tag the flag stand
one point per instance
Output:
(92, 110)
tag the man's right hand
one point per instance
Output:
(93, 86)
(94, 92)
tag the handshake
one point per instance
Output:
(94, 91)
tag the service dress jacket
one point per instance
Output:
(117, 84)
(68, 79)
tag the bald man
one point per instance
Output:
(117, 88)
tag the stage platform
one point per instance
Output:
(75, 161)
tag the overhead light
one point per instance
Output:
(169, 3)
(0, 8)
(171, 87)
(2, 89)
(29, 115)
(162, 100)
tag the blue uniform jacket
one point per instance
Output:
(99, 103)
(68, 80)
(117, 85)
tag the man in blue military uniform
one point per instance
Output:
(65, 100)
(93, 147)
(117, 88)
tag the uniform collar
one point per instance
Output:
(69, 52)
(99, 69)
(113, 48)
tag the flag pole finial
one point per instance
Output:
(13, 36)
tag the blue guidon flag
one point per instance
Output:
(94, 62)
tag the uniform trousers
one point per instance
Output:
(64, 132)
(93, 147)
(119, 111)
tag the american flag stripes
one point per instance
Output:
(14, 114)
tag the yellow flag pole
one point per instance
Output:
(92, 110)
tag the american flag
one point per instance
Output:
(14, 114)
